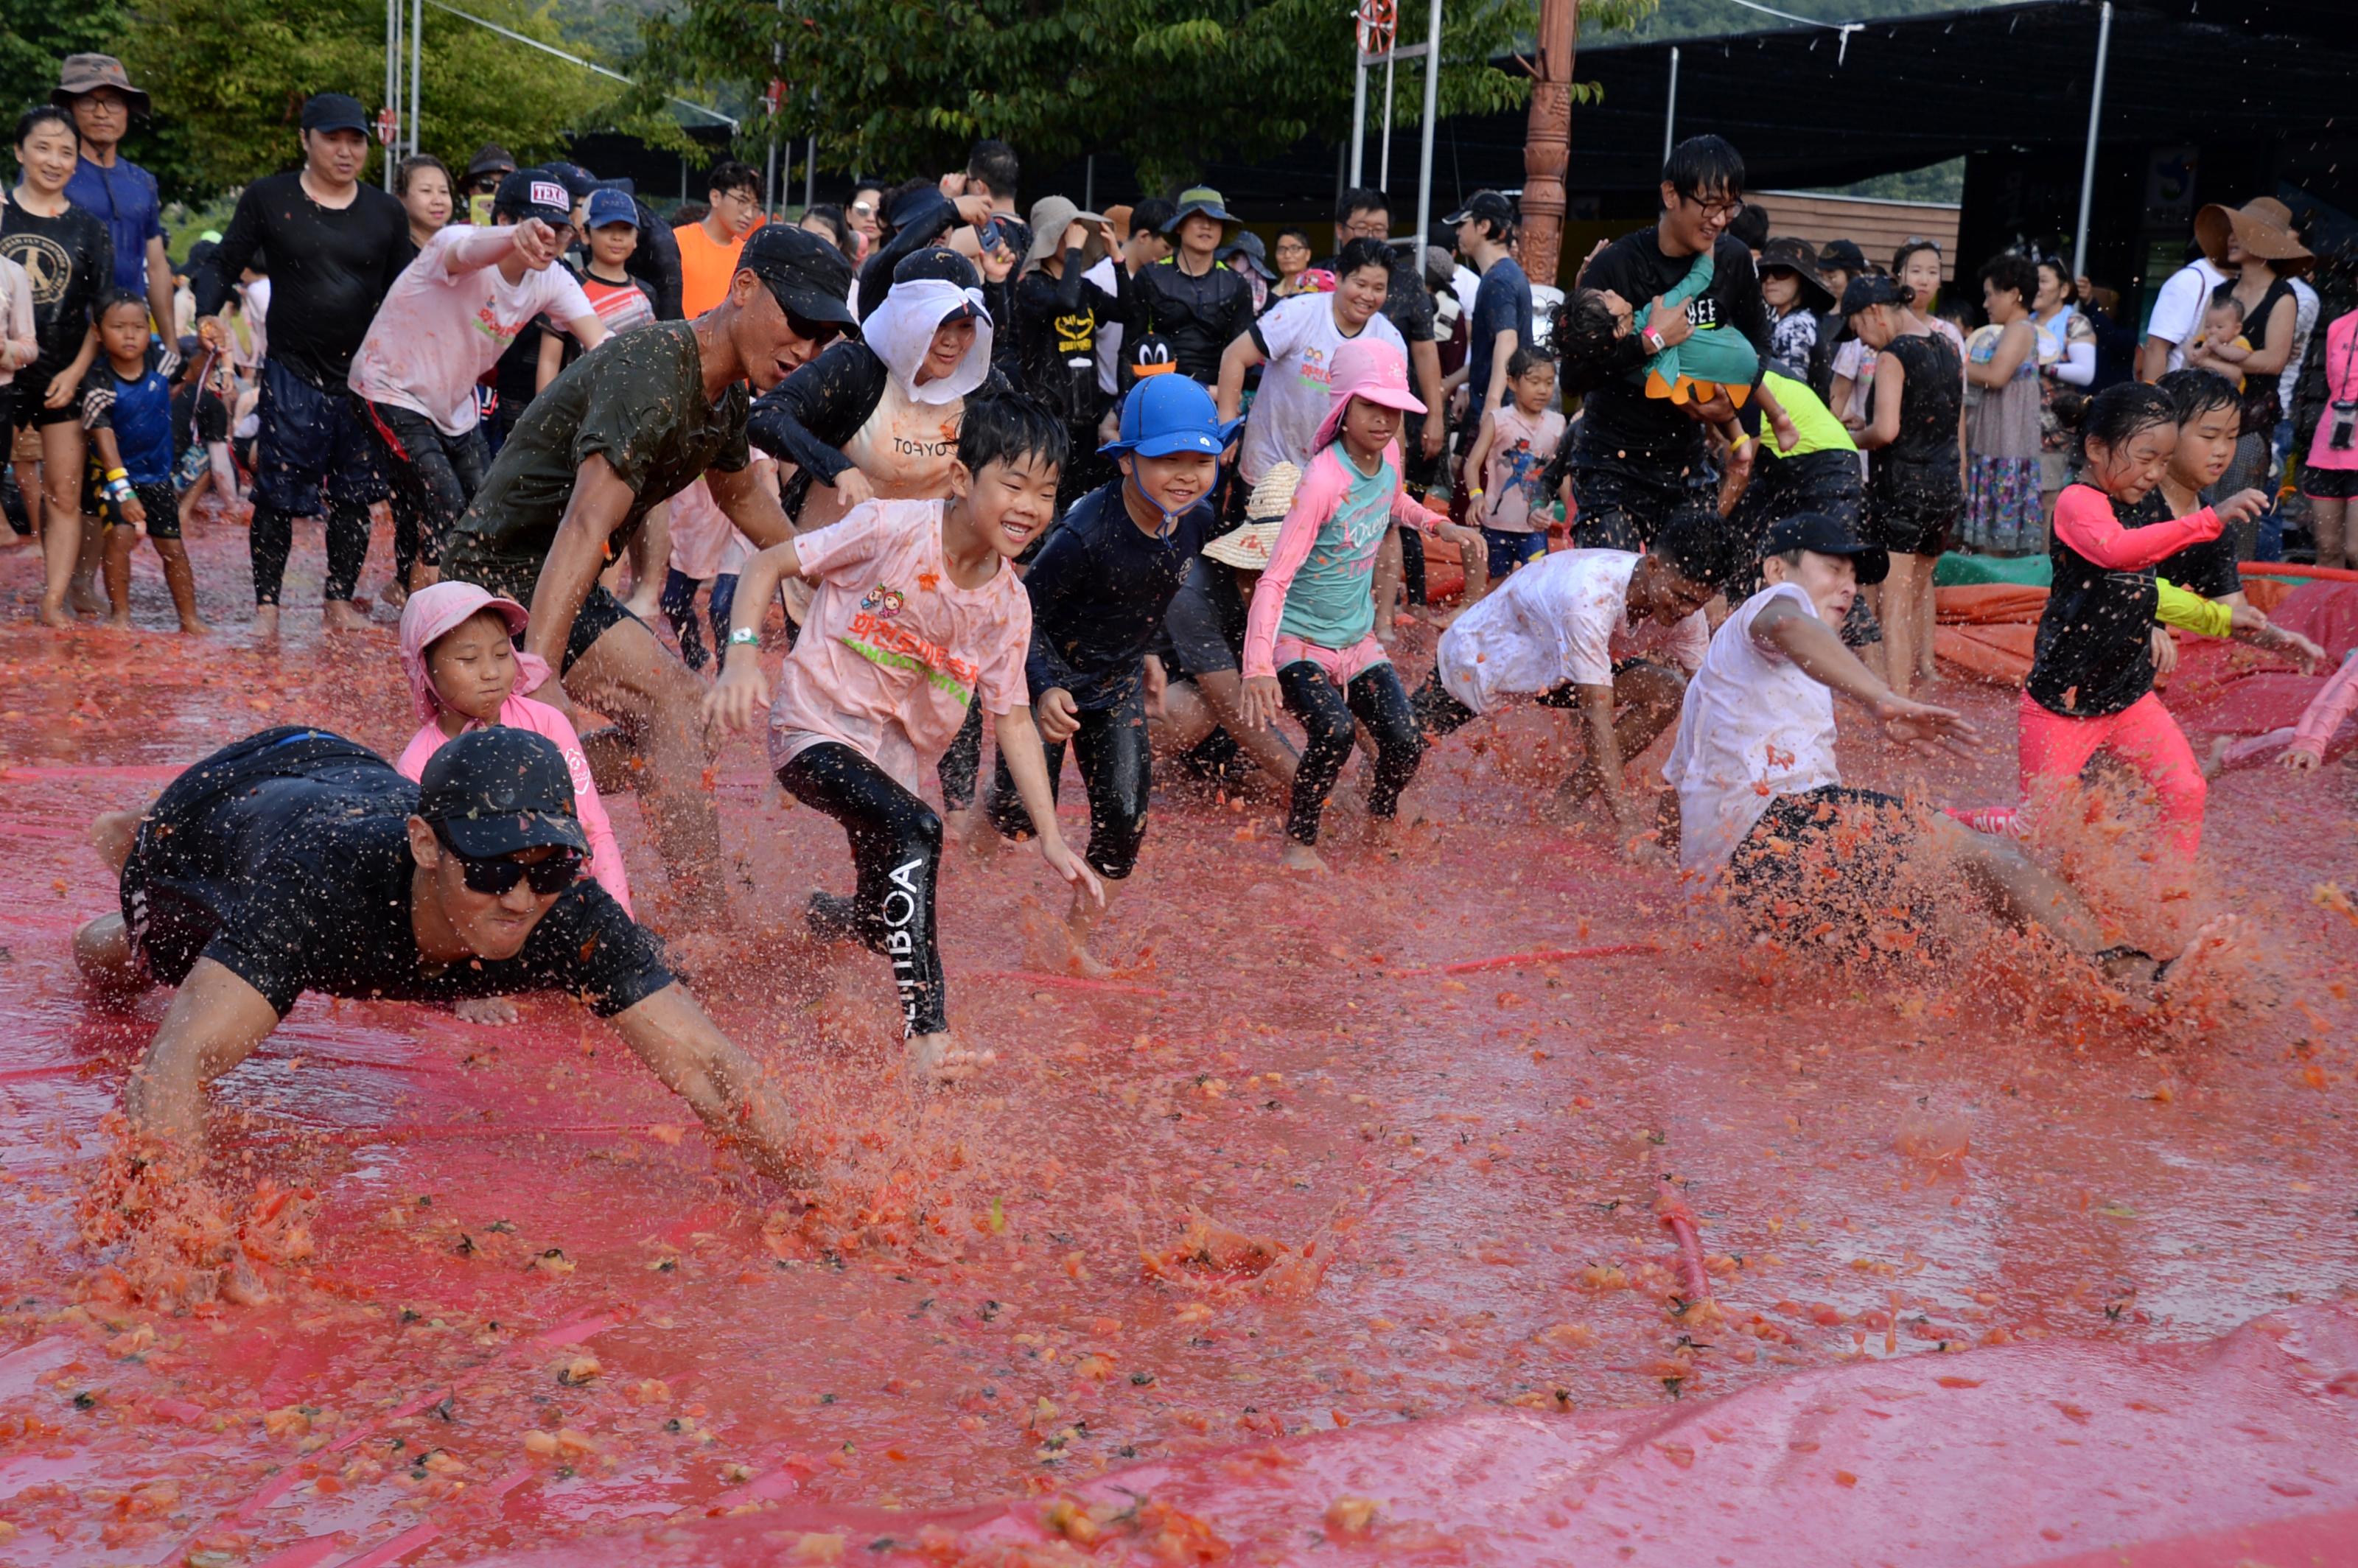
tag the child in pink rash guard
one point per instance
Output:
(465, 674)
(1310, 642)
(2326, 730)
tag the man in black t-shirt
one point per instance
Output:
(294, 860)
(335, 246)
(1635, 456)
(618, 432)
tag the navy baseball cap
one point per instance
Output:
(610, 207)
(535, 193)
(493, 792)
(1823, 535)
(334, 112)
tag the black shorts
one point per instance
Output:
(1205, 624)
(1620, 512)
(1824, 867)
(32, 412)
(312, 438)
(2328, 484)
(1908, 526)
(163, 505)
(601, 613)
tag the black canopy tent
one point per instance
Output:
(2249, 95)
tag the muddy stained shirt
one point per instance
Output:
(639, 402)
(892, 653)
(285, 858)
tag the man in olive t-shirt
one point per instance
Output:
(628, 426)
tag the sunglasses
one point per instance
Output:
(495, 877)
(820, 333)
(865, 208)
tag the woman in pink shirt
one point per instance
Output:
(457, 643)
(2329, 474)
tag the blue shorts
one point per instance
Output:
(313, 438)
(1508, 551)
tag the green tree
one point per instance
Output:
(232, 75)
(1168, 85)
(36, 36)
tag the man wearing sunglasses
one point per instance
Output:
(294, 860)
(1637, 456)
(618, 432)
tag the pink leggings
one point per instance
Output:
(2143, 735)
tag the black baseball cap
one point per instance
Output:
(334, 112)
(937, 262)
(1842, 256)
(1820, 534)
(1486, 204)
(1867, 290)
(535, 193)
(490, 158)
(807, 277)
(493, 792)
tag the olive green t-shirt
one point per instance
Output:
(638, 401)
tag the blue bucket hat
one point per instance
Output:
(1168, 413)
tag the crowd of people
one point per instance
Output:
(1123, 482)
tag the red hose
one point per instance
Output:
(2287, 568)
(1550, 955)
(1673, 1211)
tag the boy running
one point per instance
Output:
(1761, 804)
(1100, 588)
(126, 407)
(1613, 633)
(918, 614)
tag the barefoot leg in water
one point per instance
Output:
(938, 1061)
(1082, 918)
(2018, 892)
(1301, 857)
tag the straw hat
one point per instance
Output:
(2262, 226)
(1265, 510)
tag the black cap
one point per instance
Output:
(493, 792)
(1869, 290)
(490, 158)
(334, 112)
(1486, 204)
(578, 181)
(1842, 256)
(1823, 535)
(535, 193)
(939, 261)
(807, 277)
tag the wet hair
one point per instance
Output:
(2011, 270)
(2195, 392)
(993, 164)
(1586, 330)
(1694, 543)
(1151, 214)
(898, 194)
(1525, 360)
(730, 175)
(408, 167)
(1361, 198)
(1701, 166)
(2119, 412)
(1363, 252)
(114, 297)
(30, 121)
(1749, 226)
(1009, 428)
(839, 228)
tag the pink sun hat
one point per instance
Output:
(1365, 367)
(433, 614)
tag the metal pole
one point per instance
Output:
(1358, 109)
(1424, 148)
(1090, 185)
(810, 174)
(1384, 164)
(2096, 111)
(392, 83)
(416, 40)
(777, 102)
(1670, 114)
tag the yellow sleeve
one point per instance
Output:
(2191, 611)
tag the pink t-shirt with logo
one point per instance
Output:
(449, 318)
(892, 652)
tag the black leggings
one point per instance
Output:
(1118, 766)
(433, 476)
(1375, 697)
(896, 854)
(960, 768)
(272, 539)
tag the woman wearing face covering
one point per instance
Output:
(880, 417)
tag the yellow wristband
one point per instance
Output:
(118, 473)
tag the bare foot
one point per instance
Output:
(194, 627)
(1301, 857)
(342, 615)
(120, 622)
(397, 595)
(85, 599)
(940, 1061)
(2216, 763)
(54, 617)
(971, 826)
(266, 620)
(112, 834)
(2212, 939)
(494, 1009)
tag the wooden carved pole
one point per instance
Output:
(1547, 146)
